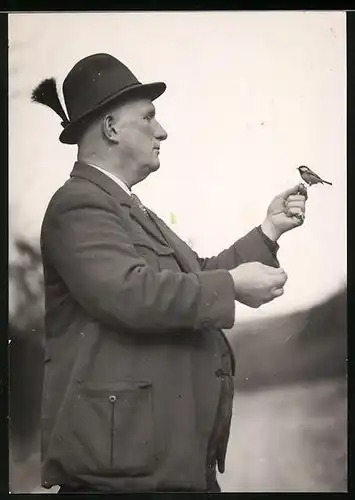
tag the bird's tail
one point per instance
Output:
(326, 182)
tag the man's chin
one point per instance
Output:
(154, 167)
(147, 170)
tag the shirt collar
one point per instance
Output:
(113, 177)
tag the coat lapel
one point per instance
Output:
(147, 224)
(82, 170)
(151, 224)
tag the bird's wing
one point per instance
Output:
(314, 174)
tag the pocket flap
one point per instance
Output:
(103, 388)
(155, 247)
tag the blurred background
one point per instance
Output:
(250, 96)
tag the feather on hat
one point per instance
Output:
(46, 93)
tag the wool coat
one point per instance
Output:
(133, 332)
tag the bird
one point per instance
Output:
(311, 177)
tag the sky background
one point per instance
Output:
(250, 97)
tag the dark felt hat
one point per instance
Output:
(92, 83)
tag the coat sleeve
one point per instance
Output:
(253, 247)
(88, 247)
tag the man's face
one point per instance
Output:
(139, 137)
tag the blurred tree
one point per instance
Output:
(26, 334)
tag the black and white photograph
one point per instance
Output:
(177, 252)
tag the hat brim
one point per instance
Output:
(151, 91)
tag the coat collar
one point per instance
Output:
(92, 174)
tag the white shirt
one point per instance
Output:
(114, 178)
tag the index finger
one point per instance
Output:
(298, 189)
(275, 270)
(296, 197)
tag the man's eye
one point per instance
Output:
(148, 118)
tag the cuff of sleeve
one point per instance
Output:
(272, 245)
(217, 310)
(253, 247)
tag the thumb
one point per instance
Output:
(298, 189)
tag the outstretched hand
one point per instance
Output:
(285, 212)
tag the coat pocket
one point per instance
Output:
(110, 430)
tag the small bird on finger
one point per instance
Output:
(311, 177)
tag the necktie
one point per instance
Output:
(139, 203)
(146, 213)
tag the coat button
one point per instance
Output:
(112, 398)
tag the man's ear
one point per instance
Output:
(109, 128)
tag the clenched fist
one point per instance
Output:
(256, 284)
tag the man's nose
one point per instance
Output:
(160, 132)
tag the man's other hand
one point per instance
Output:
(256, 284)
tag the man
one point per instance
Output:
(138, 382)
